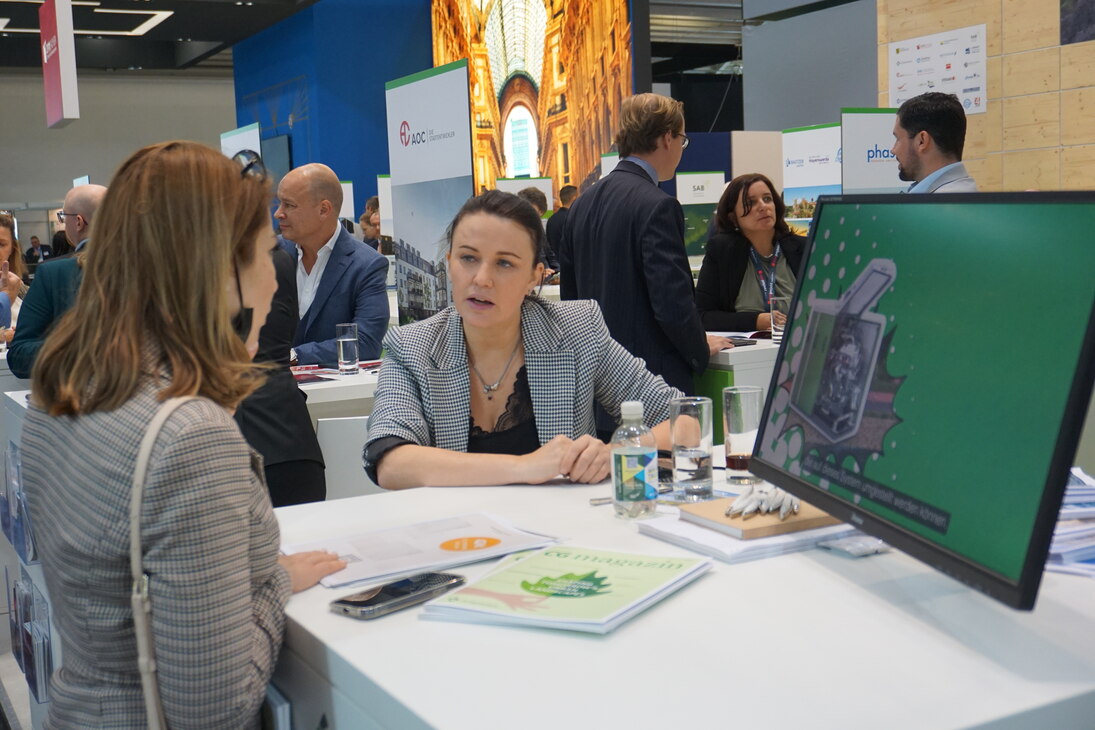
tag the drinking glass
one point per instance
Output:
(346, 339)
(690, 429)
(780, 306)
(741, 407)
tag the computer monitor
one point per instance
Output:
(934, 375)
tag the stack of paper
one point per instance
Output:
(1073, 547)
(731, 549)
(397, 552)
(568, 587)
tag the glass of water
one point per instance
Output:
(741, 407)
(346, 338)
(690, 429)
(779, 307)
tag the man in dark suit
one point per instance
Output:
(338, 279)
(623, 245)
(37, 253)
(567, 194)
(274, 419)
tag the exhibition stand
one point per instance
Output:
(805, 640)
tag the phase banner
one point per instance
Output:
(867, 165)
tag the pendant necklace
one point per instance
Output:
(488, 390)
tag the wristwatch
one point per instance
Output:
(292, 356)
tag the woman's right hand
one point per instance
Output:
(584, 460)
(542, 465)
(306, 569)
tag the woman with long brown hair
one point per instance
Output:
(12, 285)
(174, 292)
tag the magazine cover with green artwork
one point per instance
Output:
(929, 363)
(567, 586)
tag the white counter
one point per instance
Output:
(342, 396)
(806, 640)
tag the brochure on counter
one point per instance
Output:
(396, 552)
(568, 587)
(315, 374)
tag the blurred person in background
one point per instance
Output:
(37, 253)
(11, 284)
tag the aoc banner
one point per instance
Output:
(811, 167)
(430, 158)
(867, 164)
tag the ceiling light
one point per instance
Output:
(155, 17)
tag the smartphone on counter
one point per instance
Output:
(381, 600)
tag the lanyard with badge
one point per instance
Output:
(765, 280)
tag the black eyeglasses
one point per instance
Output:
(61, 215)
(684, 139)
(250, 163)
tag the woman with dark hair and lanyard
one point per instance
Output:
(753, 257)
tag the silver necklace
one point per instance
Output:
(488, 390)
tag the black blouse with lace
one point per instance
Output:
(515, 432)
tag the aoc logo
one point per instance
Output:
(408, 138)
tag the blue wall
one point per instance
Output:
(319, 77)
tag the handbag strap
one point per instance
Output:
(140, 600)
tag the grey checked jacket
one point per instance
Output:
(210, 543)
(571, 360)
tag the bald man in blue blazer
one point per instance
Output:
(338, 279)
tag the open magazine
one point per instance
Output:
(396, 552)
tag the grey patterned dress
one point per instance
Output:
(210, 543)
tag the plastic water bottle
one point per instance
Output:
(634, 465)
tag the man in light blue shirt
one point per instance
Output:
(929, 134)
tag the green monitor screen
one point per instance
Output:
(935, 373)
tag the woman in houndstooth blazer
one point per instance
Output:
(150, 323)
(500, 387)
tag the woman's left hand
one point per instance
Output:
(586, 460)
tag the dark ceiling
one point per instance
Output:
(193, 31)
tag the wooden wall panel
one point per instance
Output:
(987, 171)
(1077, 65)
(1032, 170)
(995, 83)
(1032, 121)
(1078, 116)
(1038, 130)
(984, 131)
(1030, 24)
(1078, 167)
(910, 18)
(1032, 72)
